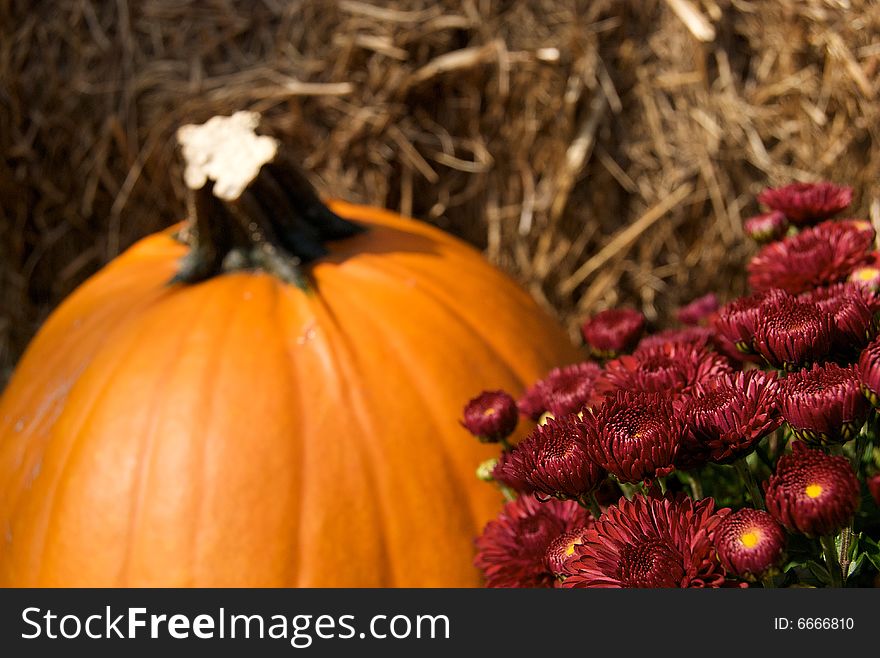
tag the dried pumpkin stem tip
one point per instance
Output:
(250, 206)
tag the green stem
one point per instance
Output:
(859, 452)
(628, 489)
(846, 534)
(767, 581)
(505, 444)
(593, 504)
(831, 562)
(745, 474)
(695, 484)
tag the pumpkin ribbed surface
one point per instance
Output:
(245, 432)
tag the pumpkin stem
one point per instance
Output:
(250, 206)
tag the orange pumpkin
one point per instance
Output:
(243, 431)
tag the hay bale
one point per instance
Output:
(603, 151)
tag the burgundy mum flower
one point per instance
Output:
(650, 542)
(634, 436)
(790, 333)
(727, 416)
(613, 331)
(818, 256)
(564, 391)
(491, 416)
(868, 275)
(869, 372)
(874, 487)
(736, 320)
(511, 550)
(508, 476)
(698, 336)
(812, 493)
(563, 549)
(698, 310)
(806, 203)
(749, 542)
(531, 404)
(553, 460)
(766, 228)
(823, 404)
(668, 368)
(852, 310)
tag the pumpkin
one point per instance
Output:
(259, 421)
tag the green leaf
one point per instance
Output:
(870, 549)
(819, 572)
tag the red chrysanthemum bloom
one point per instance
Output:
(736, 321)
(811, 492)
(869, 372)
(511, 550)
(668, 368)
(650, 542)
(868, 275)
(854, 224)
(699, 336)
(807, 203)
(873, 483)
(749, 543)
(531, 403)
(634, 436)
(613, 331)
(510, 477)
(766, 228)
(698, 310)
(824, 404)
(790, 333)
(818, 256)
(491, 416)
(553, 460)
(852, 310)
(563, 391)
(727, 416)
(564, 548)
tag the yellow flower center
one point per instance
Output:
(569, 550)
(814, 490)
(489, 412)
(866, 274)
(750, 539)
